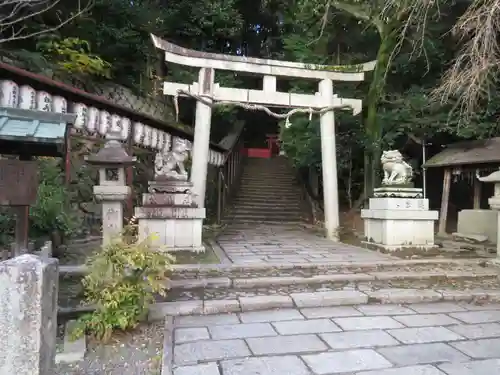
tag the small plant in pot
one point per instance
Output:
(123, 278)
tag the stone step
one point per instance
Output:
(262, 199)
(263, 207)
(259, 212)
(278, 216)
(238, 271)
(323, 299)
(289, 190)
(256, 209)
(356, 280)
(262, 221)
(269, 183)
(267, 205)
(270, 197)
(278, 172)
(260, 175)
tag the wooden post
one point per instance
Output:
(444, 201)
(67, 157)
(477, 194)
(129, 175)
(22, 223)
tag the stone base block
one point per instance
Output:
(399, 228)
(413, 204)
(482, 222)
(393, 191)
(181, 213)
(389, 248)
(167, 199)
(166, 185)
(172, 235)
(111, 192)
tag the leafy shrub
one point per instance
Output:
(73, 55)
(7, 223)
(123, 278)
(52, 211)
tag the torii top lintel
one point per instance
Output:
(185, 56)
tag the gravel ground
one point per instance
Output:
(137, 353)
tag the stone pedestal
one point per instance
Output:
(28, 315)
(170, 217)
(399, 218)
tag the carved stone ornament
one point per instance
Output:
(396, 170)
(170, 164)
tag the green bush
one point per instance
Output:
(51, 215)
(52, 211)
(123, 278)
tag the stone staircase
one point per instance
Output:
(210, 289)
(268, 193)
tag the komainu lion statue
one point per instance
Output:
(396, 170)
(170, 164)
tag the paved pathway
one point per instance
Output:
(421, 339)
(287, 244)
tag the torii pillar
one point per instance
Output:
(268, 96)
(329, 162)
(201, 142)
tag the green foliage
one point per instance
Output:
(52, 210)
(302, 141)
(73, 55)
(7, 223)
(123, 278)
(51, 213)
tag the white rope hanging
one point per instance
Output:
(208, 100)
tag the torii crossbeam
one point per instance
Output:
(268, 96)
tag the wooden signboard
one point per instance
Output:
(18, 182)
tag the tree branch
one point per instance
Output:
(15, 13)
(475, 71)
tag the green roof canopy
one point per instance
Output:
(34, 133)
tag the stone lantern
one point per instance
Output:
(494, 201)
(112, 189)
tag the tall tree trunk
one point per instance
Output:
(373, 128)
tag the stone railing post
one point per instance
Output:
(28, 315)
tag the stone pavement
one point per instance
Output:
(258, 243)
(419, 339)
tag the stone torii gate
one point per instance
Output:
(208, 93)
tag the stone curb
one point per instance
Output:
(158, 311)
(168, 346)
(313, 265)
(221, 254)
(73, 351)
(73, 270)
